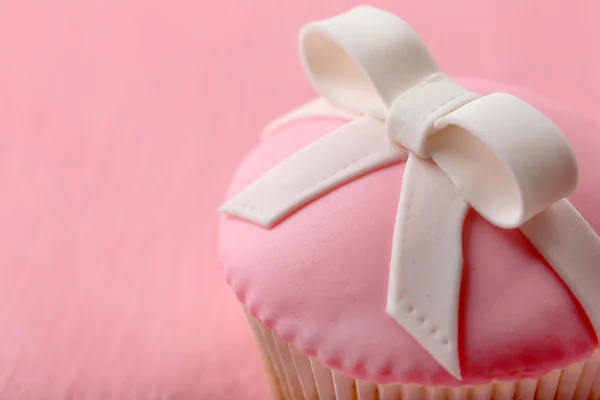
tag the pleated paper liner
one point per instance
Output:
(294, 376)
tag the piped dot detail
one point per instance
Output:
(425, 324)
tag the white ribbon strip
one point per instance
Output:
(426, 265)
(495, 153)
(572, 248)
(344, 154)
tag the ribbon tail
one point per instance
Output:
(572, 248)
(345, 154)
(426, 264)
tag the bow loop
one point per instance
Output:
(508, 160)
(364, 59)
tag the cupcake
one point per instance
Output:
(411, 236)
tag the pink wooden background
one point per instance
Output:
(120, 124)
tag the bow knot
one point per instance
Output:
(496, 154)
(413, 115)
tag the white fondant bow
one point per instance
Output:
(495, 153)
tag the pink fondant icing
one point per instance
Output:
(319, 278)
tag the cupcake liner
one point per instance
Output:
(295, 376)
